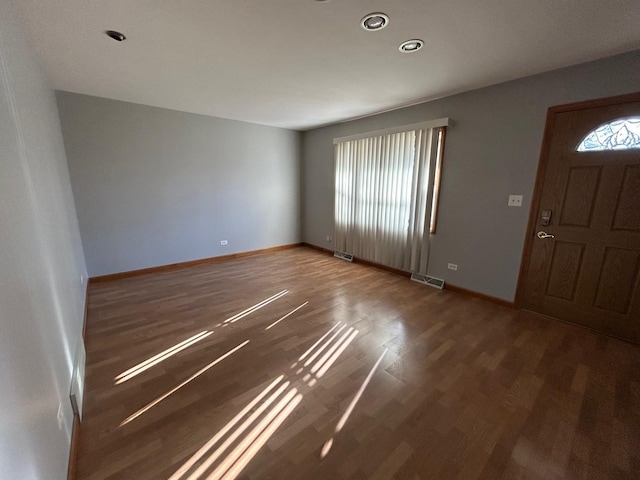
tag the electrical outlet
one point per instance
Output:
(452, 266)
(223, 242)
(329, 238)
(515, 200)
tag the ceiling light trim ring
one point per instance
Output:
(117, 36)
(411, 46)
(374, 21)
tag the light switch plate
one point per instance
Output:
(515, 200)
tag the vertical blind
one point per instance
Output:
(383, 197)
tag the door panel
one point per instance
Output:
(587, 270)
(616, 283)
(580, 196)
(627, 216)
(566, 263)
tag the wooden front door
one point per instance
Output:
(583, 251)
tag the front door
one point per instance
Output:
(584, 258)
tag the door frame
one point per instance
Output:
(552, 112)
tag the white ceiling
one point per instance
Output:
(304, 63)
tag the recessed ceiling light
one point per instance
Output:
(117, 36)
(411, 46)
(374, 21)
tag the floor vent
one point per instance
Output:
(427, 280)
(344, 256)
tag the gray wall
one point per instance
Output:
(491, 151)
(155, 186)
(41, 263)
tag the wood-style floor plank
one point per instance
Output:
(464, 388)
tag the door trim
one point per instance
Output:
(552, 112)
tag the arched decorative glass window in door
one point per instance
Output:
(620, 134)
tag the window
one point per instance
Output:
(386, 194)
(620, 134)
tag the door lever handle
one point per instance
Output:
(542, 234)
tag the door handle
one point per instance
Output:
(543, 235)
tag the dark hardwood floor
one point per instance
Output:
(463, 388)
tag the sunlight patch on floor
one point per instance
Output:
(287, 315)
(356, 398)
(256, 307)
(156, 359)
(231, 449)
(172, 391)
